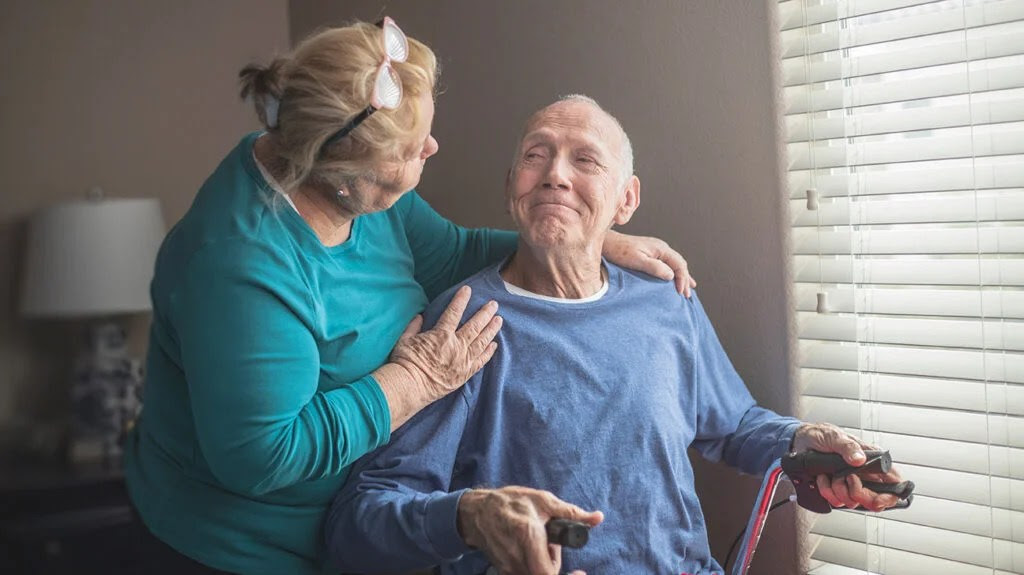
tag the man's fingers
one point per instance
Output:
(556, 508)
(828, 438)
(851, 452)
(868, 498)
(449, 320)
(884, 501)
(478, 323)
(842, 492)
(555, 553)
(538, 554)
(825, 488)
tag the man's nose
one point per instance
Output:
(557, 175)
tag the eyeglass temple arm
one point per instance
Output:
(352, 125)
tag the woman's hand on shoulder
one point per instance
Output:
(650, 256)
(440, 360)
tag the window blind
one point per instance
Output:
(904, 126)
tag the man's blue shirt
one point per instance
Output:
(596, 402)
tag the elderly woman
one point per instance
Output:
(277, 354)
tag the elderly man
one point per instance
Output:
(601, 381)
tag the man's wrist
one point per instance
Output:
(796, 434)
(441, 525)
(465, 511)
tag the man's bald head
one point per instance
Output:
(611, 129)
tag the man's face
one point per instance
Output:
(565, 188)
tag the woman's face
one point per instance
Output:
(397, 178)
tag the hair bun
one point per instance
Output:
(265, 85)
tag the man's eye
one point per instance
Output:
(585, 160)
(533, 156)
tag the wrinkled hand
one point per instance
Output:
(508, 524)
(846, 491)
(441, 359)
(650, 256)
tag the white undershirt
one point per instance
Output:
(516, 290)
(270, 180)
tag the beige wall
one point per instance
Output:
(691, 81)
(137, 97)
(140, 98)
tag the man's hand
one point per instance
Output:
(508, 525)
(846, 491)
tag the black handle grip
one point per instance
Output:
(568, 533)
(814, 463)
(904, 490)
(803, 468)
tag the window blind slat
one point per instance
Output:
(934, 83)
(821, 568)
(930, 526)
(962, 426)
(982, 43)
(997, 461)
(792, 13)
(979, 489)
(878, 559)
(899, 26)
(955, 175)
(921, 540)
(962, 333)
(941, 271)
(895, 360)
(962, 143)
(1004, 239)
(914, 301)
(905, 119)
(944, 207)
(943, 393)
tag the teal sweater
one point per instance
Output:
(258, 394)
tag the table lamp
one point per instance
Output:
(93, 259)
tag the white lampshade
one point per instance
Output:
(91, 258)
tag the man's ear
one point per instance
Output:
(630, 201)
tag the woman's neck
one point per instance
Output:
(567, 274)
(320, 212)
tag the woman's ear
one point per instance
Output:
(630, 201)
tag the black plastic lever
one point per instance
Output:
(567, 533)
(804, 468)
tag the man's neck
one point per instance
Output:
(561, 273)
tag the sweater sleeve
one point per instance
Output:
(730, 425)
(253, 370)
(444, 253)
(395, 512)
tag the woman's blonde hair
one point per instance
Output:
(321, 85)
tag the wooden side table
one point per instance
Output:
(65, 519)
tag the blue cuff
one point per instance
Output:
(442, 517)
(785, 442)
